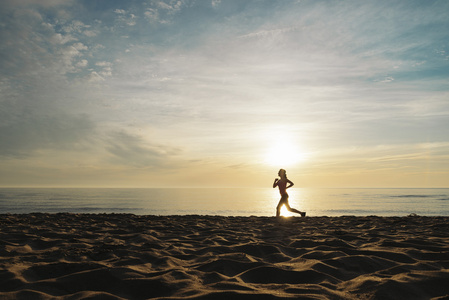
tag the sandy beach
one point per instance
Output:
(123, 256)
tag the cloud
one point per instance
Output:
(163, 11)
(42, 3)
(58, 38)
(26, 133)
(171, 5)
(152, 15)
(126, 18)
(94, 77)
(81, 64)
(103, 64)
(387, 79)
(44, 52)
(69, 57)
(132, 150)
(91, 33)
(270, 33)
(216, 3)
(106, 69)
(75, 27)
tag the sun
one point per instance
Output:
(284, 153)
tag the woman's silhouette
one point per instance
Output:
(282, 184)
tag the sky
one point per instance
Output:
(210, 93)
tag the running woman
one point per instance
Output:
(282, 185)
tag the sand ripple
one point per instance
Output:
(118, 256)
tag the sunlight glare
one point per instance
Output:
(285, 212)
(284, 153)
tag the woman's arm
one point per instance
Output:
(275, 183)
(290, 184)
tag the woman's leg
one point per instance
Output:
(284, 199)
(278, 208)
(293, 209)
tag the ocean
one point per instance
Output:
(225, 201)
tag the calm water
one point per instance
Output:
(227, 202)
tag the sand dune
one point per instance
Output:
(118, 256)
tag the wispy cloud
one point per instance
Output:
(132, 150)
(23, 135)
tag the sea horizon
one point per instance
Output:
(226, 201)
